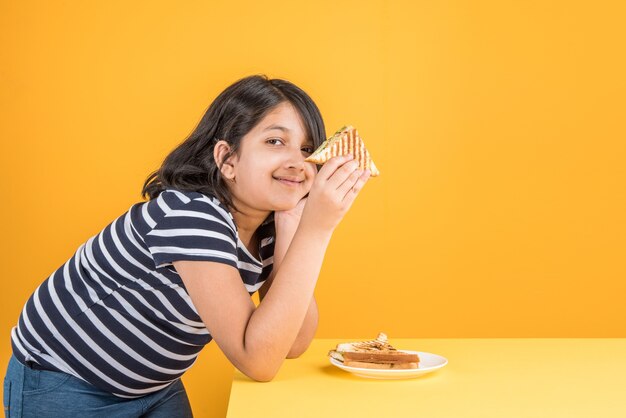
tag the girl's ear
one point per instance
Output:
(220, 151)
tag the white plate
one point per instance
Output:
(428, 363)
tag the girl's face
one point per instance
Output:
(270, 173)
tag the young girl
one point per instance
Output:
(232, 210)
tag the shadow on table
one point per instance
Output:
(333, 371)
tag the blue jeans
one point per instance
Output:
(31, 393)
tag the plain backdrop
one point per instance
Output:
(498, 128)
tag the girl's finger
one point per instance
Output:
(356, 188)
(349, 183)
(342, 174)
(329, 168)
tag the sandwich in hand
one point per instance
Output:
(374, 354)
(345, 141)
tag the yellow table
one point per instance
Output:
(484, 378)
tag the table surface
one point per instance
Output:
(483, 378)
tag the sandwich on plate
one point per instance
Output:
(345, 141)
(374, 354)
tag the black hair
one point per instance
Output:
(235, 111)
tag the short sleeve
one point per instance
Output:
(194, 230)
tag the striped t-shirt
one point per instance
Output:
(117, 314)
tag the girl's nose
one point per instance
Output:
(296, 159)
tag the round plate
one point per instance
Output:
(428, 363)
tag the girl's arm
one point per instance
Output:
(307, 330)
(257, 339)
(286, 224)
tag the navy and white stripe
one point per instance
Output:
(116, 314)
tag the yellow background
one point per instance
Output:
(498, 128)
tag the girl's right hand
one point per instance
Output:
(335, 187)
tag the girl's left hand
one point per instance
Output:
(290, 217)
(286, 223)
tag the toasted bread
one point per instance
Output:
(374, 354)
(345, 141)
(368, 365)
(390, 357)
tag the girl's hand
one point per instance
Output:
(286, 223)
(335, 187)
(290, 218)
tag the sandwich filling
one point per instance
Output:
(374, 354)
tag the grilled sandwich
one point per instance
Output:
(345, 141)
(374, 354)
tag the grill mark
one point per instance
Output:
(347, 142)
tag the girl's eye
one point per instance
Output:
(308, 150)
(273, 141)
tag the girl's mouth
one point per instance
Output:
(288, 182)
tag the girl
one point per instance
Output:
(232, 210)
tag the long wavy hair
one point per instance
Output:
(235, 111)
